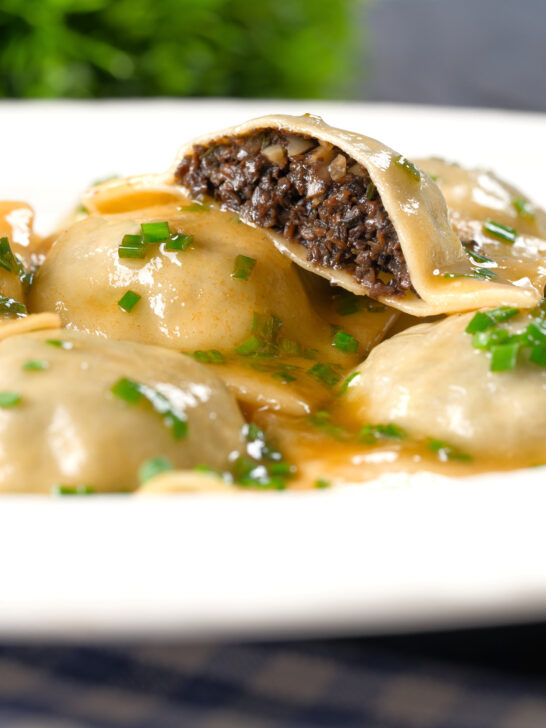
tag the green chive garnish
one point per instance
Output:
(345, 342)
(370, 191)
(178, 242)
(523, 208)
(477, 257)
(446, 452)
(129, 300)
(243, 267)
(35, 365)
(322, 420)
(266, 327)
(195, 207)
(283, 376)
(538, 355)
(72, 490)
(248, 347)
(490, 337)
(155, 232)
(60, 344)
(212, 356)
(128, 390)
(8, 260)
(9, 306)
(132, 246)
(371, 433)
(154, 466)
(535, 333)
(347, 304)
(133, 392)
(504, 356)
(499, 231)
(485, 319)
(321, 483)
(479, 273)
(325, 374)
(401, 161)
(9, 399)
(290, 347)
(345, 386)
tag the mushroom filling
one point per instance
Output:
(309, 191)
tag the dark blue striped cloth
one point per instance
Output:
(465, 680)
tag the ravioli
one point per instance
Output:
(195, 300)
(18, 241)
(501, 228)
(346, 207)
(62, 424)
(190, 300)
(431, 381)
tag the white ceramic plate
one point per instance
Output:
(405, 552)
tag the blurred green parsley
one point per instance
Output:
(120, 48)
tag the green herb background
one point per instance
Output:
(120, 48)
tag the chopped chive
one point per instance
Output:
(290, 347)
(538, 355)
(445, 452)
(9, 399)
(499, 231)
(133, 392)
(485, 319)
(128, 390)
(405, 163)
(132, 246)
(253, 432)
(155, 232)
(321, 483)
(325, 374)
(129, 300)
(503, 313)
(535, 333)
(479, 273)
(371, 433)
(195, 207)
(250, 346)
(10, 306)
(345, 342)
(490, 337)
(485, 273)
(72, 490)
(35, 365)
(209, 151)
(266, 327)
(322, 420)
(477, 257)
(60, 344)
(523, 208)
(345, 386)
(243, 267)
(370, 191)
(178, 242)
(154, 466)
(504, 356)
(347, 304)
(283, 376)
(480, 322)
(8, 260)
(212, 356)
(203, 468)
